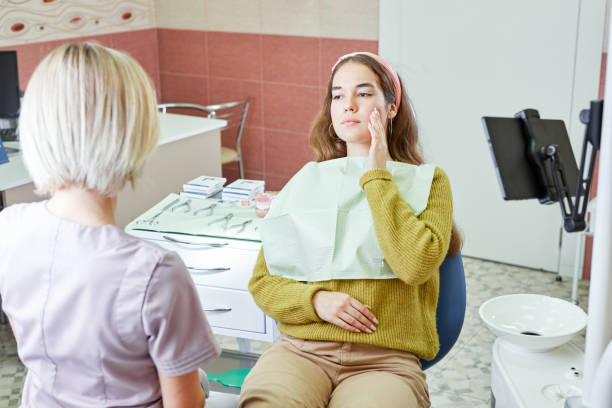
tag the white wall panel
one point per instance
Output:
(462, 60)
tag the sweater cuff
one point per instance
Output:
(374, 174)
(309, 310)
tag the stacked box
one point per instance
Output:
(203, 186)
(242, 189)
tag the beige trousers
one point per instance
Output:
(312, 374)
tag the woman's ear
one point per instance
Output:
(392, 111)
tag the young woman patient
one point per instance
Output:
(101, 318)
(351, 254)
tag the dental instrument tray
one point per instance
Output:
(199, 217)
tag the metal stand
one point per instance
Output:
(244, 345)
(582, 236)
(546, 154)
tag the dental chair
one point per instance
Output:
(234, 113)
(450, 314)
(451, 306)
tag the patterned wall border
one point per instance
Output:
(26, 21)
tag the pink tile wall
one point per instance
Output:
(141, 44)
(285, 76)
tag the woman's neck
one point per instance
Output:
(360, 150)
(82, 206)
(357, 150)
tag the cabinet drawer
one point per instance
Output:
(231, 309)
(223, 267)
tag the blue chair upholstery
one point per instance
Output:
(451, 306)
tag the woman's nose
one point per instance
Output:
(349, 106)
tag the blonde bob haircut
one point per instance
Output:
(88, 120)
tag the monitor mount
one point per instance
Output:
(551, 169)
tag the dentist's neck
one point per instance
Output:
(82, 206)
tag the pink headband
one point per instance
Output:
(396, 83)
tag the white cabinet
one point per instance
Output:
(221, 269)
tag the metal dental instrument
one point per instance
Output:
(210, 208)
(226, 219)
(217, 308)
(219, 269)
(202, 244)
(242, 226)
(186, 204)
(153, 219)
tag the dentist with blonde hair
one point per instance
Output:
(101, 318)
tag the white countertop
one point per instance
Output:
(176, 127)
(173, 127)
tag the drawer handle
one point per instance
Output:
(209, 269)
(202, 244)
(218, 308)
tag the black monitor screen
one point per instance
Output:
(517, 176)
(9, 85)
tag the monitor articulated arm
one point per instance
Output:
(573, 211)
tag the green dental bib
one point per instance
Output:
(320, 226)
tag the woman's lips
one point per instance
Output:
(350, 122)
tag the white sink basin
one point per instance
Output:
(532, 322)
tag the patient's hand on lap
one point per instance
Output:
(344, 311)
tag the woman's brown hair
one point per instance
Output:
(402, 134)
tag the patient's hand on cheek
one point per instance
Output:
(344, 311)
(379, 151)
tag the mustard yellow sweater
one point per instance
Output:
(414, 247)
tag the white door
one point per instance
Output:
(461, 60)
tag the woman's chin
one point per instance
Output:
(356, 138)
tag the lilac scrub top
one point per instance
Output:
(97, 312)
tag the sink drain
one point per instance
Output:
(530, 333)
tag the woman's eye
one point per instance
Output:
(336, 97)
(364, 94)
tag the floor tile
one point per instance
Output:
(451, 400)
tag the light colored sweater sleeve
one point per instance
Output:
(414, 247)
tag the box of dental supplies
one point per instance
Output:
(203, 186)
(242, 189)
